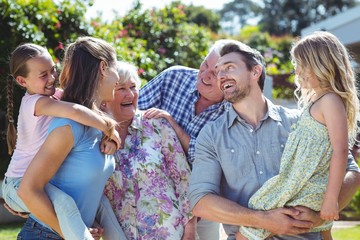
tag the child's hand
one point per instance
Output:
(116, 138)
(329, 210)
(108, 146)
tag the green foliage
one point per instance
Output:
(279, 17)
(153, 39)
(45, 22)
(203, 17)
(347, 233)
(276, 52)
(355, 203)
(156, 39)
(10, 230)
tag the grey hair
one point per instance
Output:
(219, 44)
(127, 71)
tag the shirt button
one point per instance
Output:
(232, 150)
(251, 130)
(257, 152)
(282, 145)
(261, 172)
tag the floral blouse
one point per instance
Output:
(148, 190)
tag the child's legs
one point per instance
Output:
(10, 187)
(326, 235)
(67, 212)
(106, 218)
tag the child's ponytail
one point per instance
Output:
(11, 130)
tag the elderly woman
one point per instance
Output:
(148, 190)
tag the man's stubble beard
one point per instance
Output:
(238, 94)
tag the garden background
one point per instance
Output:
(154, 39)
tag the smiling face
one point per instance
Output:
(207, 81)
(125, 102)
(234, 78)
(41, 77)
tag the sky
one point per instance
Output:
(123, 6)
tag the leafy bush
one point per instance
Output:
(276, 52)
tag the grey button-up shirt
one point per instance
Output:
(233, 159)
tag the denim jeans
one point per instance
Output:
(67, 212)
(9, 192)
(33, 230)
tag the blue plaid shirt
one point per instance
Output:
(174, 90)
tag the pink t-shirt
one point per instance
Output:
(31, 134)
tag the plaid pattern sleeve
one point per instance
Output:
(174, 90)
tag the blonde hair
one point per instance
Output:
(323, 55)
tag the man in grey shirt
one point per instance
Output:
(238, 152)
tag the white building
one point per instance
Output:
(346, 26)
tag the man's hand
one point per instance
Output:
(239, 236)
(306, 214)
(190, 230)
(285, 221)
(20, 214)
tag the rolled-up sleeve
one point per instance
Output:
(351, 164)
(206, 173)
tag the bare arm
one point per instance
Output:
(349, 187)
(278, 221)
(78, 113)
(349, 184)
(56, 147)
(181, 134)
(336, 123)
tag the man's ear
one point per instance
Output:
(21, 81)
(257, 70)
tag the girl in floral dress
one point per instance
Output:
(148, 190)
(314, 160)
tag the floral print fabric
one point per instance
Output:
(148, 190)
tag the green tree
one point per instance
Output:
(203, 17)
(155, 39)
(279, 17)
(276, 52)
(45, 22)
(242, 10)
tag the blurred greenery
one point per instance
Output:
(153, 40)
(347, 233)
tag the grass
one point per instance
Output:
(347, 234)
(10, 231)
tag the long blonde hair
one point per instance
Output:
(322, 54)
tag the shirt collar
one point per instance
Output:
(136, 122)
(272, 113)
